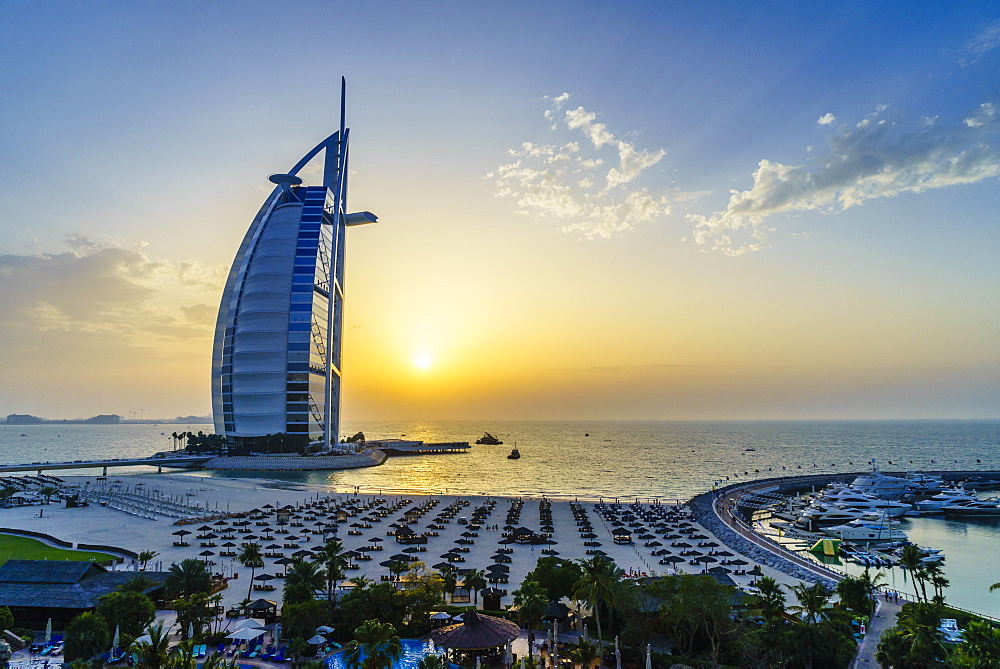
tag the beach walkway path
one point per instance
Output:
(884, 618)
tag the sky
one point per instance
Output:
(588, 210)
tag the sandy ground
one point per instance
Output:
(104, 525)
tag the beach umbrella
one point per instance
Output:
(649, 660)
(653, 544)
(48, 631)
(249, 623)
(317, 639)
(206, 554)
(479, 662)
(411, 549)
(738, 562)
(190, 630)
(618, 655)
(375, 540)
(324, 629)
(246, 633)
(263, 577)
(205, 528)
(508, 656)
(116, 639)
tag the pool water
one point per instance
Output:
(413, 651)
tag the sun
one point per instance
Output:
(423, 361)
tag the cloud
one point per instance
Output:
(631, 164)
(985, 41)
(879, 157)
(584, 120)
(826, 119)
(114, 291)
(559, 180)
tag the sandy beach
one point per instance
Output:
(369, 533)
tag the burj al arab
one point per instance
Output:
(276, 363)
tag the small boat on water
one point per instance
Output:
(514, 454)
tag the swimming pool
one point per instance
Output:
(413, 651)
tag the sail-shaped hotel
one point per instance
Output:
(276, 364)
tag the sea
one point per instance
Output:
(624, 460)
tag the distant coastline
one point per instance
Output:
(103, 419)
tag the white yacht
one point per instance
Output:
(881, 485)
(823, 513)
(978, 507)
(948, 497)
(867, 530)
(854, 499)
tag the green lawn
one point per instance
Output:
(23, 548)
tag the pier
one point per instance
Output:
(180, 461)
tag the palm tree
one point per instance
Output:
(995, 586)
(251, 556)
(152, 654)
(137, 583)
(331, 556)
(872, 582)
(598, 585)
(47, 492)
(432, 662)
(297, 647)
(397, 567)
(584, 653)
(302, 580)
(812, 601)
(375, 646)
(182, 656)
(475, 581)
(187, 578)
(911, 559)
(146, 556)
(934, 574)
(918, 625)
(531, 601)
(450, 577)
(769, 600)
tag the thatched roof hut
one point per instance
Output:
(476, 632)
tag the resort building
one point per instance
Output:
(39, 590)
(276, 365)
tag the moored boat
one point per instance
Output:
(979, 507)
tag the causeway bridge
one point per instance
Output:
(181, 461)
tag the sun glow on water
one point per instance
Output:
(423, 361)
